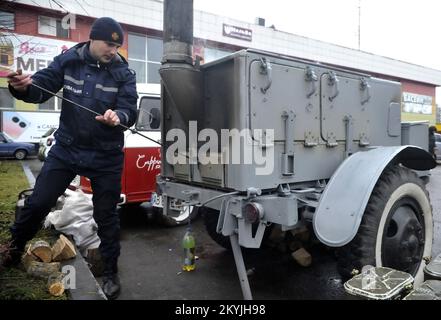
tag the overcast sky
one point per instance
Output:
(408, 30)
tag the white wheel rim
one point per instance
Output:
(408, 189)
(183, 214)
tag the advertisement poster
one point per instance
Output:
(28, 53)
(416, 103)
(28, 126)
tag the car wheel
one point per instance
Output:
(40, 154)
(20, 154)
(396, 229)
(178, 218)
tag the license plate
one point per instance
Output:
(156, 200)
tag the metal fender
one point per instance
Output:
(342, 204)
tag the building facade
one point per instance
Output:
(33, 32)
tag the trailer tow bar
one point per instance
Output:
(240, 265)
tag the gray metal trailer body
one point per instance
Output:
(324, 146)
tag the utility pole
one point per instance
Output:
(359, 25)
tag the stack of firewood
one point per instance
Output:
(292, 241)
(43, 261)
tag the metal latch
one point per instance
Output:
(310, 76)
(333, 82)
(349, 128)
(364, 140)
(288, 155)
(365, 86)
(266, 69)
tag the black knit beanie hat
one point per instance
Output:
(107, 29)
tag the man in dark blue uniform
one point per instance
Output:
(94, 75)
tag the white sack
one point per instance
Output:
(76, 219)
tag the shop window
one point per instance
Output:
(145, 54)
(6, 52)
(52, 27)
(7, 20)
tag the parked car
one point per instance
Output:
(18, 150)
(46, 142)
(438, 146)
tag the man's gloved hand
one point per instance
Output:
(110, 118)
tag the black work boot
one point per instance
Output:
(10, 255)
(111, 286)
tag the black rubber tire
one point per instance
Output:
(211, 217)
(129, 207)
(396, 230)
(20, 154)
(171, 221)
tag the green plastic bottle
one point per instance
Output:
(189, 244)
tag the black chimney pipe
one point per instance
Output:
(181, 79)
(178, 31)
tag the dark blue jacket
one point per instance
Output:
(98, 87)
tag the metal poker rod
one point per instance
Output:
(19, 72)
(93, 112)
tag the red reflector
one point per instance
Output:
(253, 212)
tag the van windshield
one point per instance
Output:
(149, 115)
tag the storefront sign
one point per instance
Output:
(30, 54)
(415, 103)
(237, 32)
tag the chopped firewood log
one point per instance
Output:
(55, 284)
(42, 250)
(302, 257)
(28, 257)
(63, 249)
(42, 270)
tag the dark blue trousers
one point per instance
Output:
(61, 166)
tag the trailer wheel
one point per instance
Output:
(211, 217)
(396, 229)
